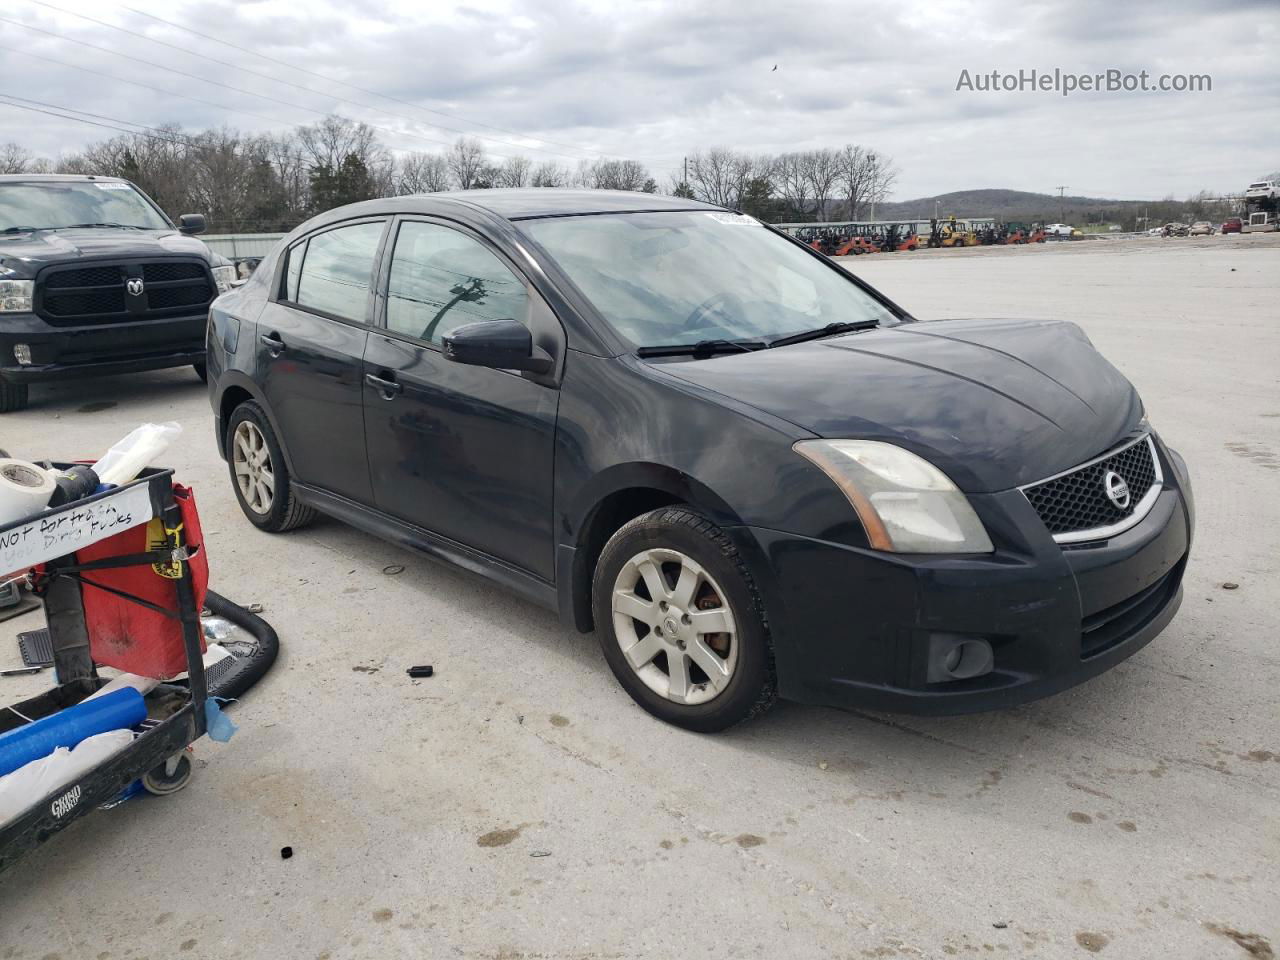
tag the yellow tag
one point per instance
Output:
(158, 538)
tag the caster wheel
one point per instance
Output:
(170, 777)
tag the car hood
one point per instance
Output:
(39, 247)
(993, 403)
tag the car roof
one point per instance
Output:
(55, 178)
(519, 204)
(514, 204)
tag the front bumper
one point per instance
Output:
(59, 352)
(853, 627)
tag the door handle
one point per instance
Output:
(388, 388)
(273, 343)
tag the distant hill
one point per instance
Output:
(1012, 205)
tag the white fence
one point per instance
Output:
(233, 246)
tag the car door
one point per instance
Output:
(462, 451)
(311, 343)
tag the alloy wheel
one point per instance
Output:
(251, 461)
(674, 626)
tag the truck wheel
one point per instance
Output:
(681, 623)
(259, 475)
(13, 396)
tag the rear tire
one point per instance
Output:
(259, 475)
(13, 396)
(657, 645)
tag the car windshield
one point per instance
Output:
(681, 278)
(58, 204)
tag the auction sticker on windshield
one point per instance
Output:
(113, 186)
(737, 219)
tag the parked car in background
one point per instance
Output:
(95, 279)
(1232, 225)
(1060, 230)
(1201, 228)
(1263, 190)
(749, 472)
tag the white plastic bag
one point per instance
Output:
(22, 788)
(127, 458)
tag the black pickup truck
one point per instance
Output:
(96, 280)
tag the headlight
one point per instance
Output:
(223, 276)
(15, 296)
(906, 504)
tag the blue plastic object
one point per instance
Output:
(219, 724)
(116, 711)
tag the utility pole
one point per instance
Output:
(685, 181)
(1062, 205)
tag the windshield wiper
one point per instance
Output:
(830, 330)
(20, 229)
(703, 348)
(77, 226)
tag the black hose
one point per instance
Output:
(245, 671)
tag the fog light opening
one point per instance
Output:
(22, 353)
(958, 658)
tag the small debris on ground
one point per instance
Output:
(286, 853)
(540, 853)
(363, 669)
(1001, 924)
(255, 608)
(391, 569)
(425, 670)
(822, 765)
(1230, 586)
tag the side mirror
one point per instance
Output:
(191, 224)
(501, 344)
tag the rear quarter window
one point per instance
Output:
(336, 273)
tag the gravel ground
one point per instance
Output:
(1135, 816)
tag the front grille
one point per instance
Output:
(1075, 504)
(90, 277)
(164, 272)
(1101, 631)
(83, 295)
(106, 300)
(188, 296)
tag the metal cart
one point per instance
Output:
(157, 756)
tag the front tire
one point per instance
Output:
(202, 371)
(259, 475)
(681, 622)
(13, 396)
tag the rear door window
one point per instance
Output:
(337, 272)
(441, 279)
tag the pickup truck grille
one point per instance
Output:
(1075, 506)
(75, 295)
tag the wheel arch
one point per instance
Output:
(235, 388)
(613, 498)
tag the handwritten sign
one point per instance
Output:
(57, 534)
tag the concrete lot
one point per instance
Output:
(1137, 816)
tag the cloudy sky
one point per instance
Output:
(653, 80)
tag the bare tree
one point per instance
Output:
(331, 140)
(792, 184)
(616, 175)
(15, 158)
(821, 170)
(422, 172)
(718, 175)
(514, 172)
(550, 174)
(466, 161)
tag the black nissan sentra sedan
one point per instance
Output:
(750, 473)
